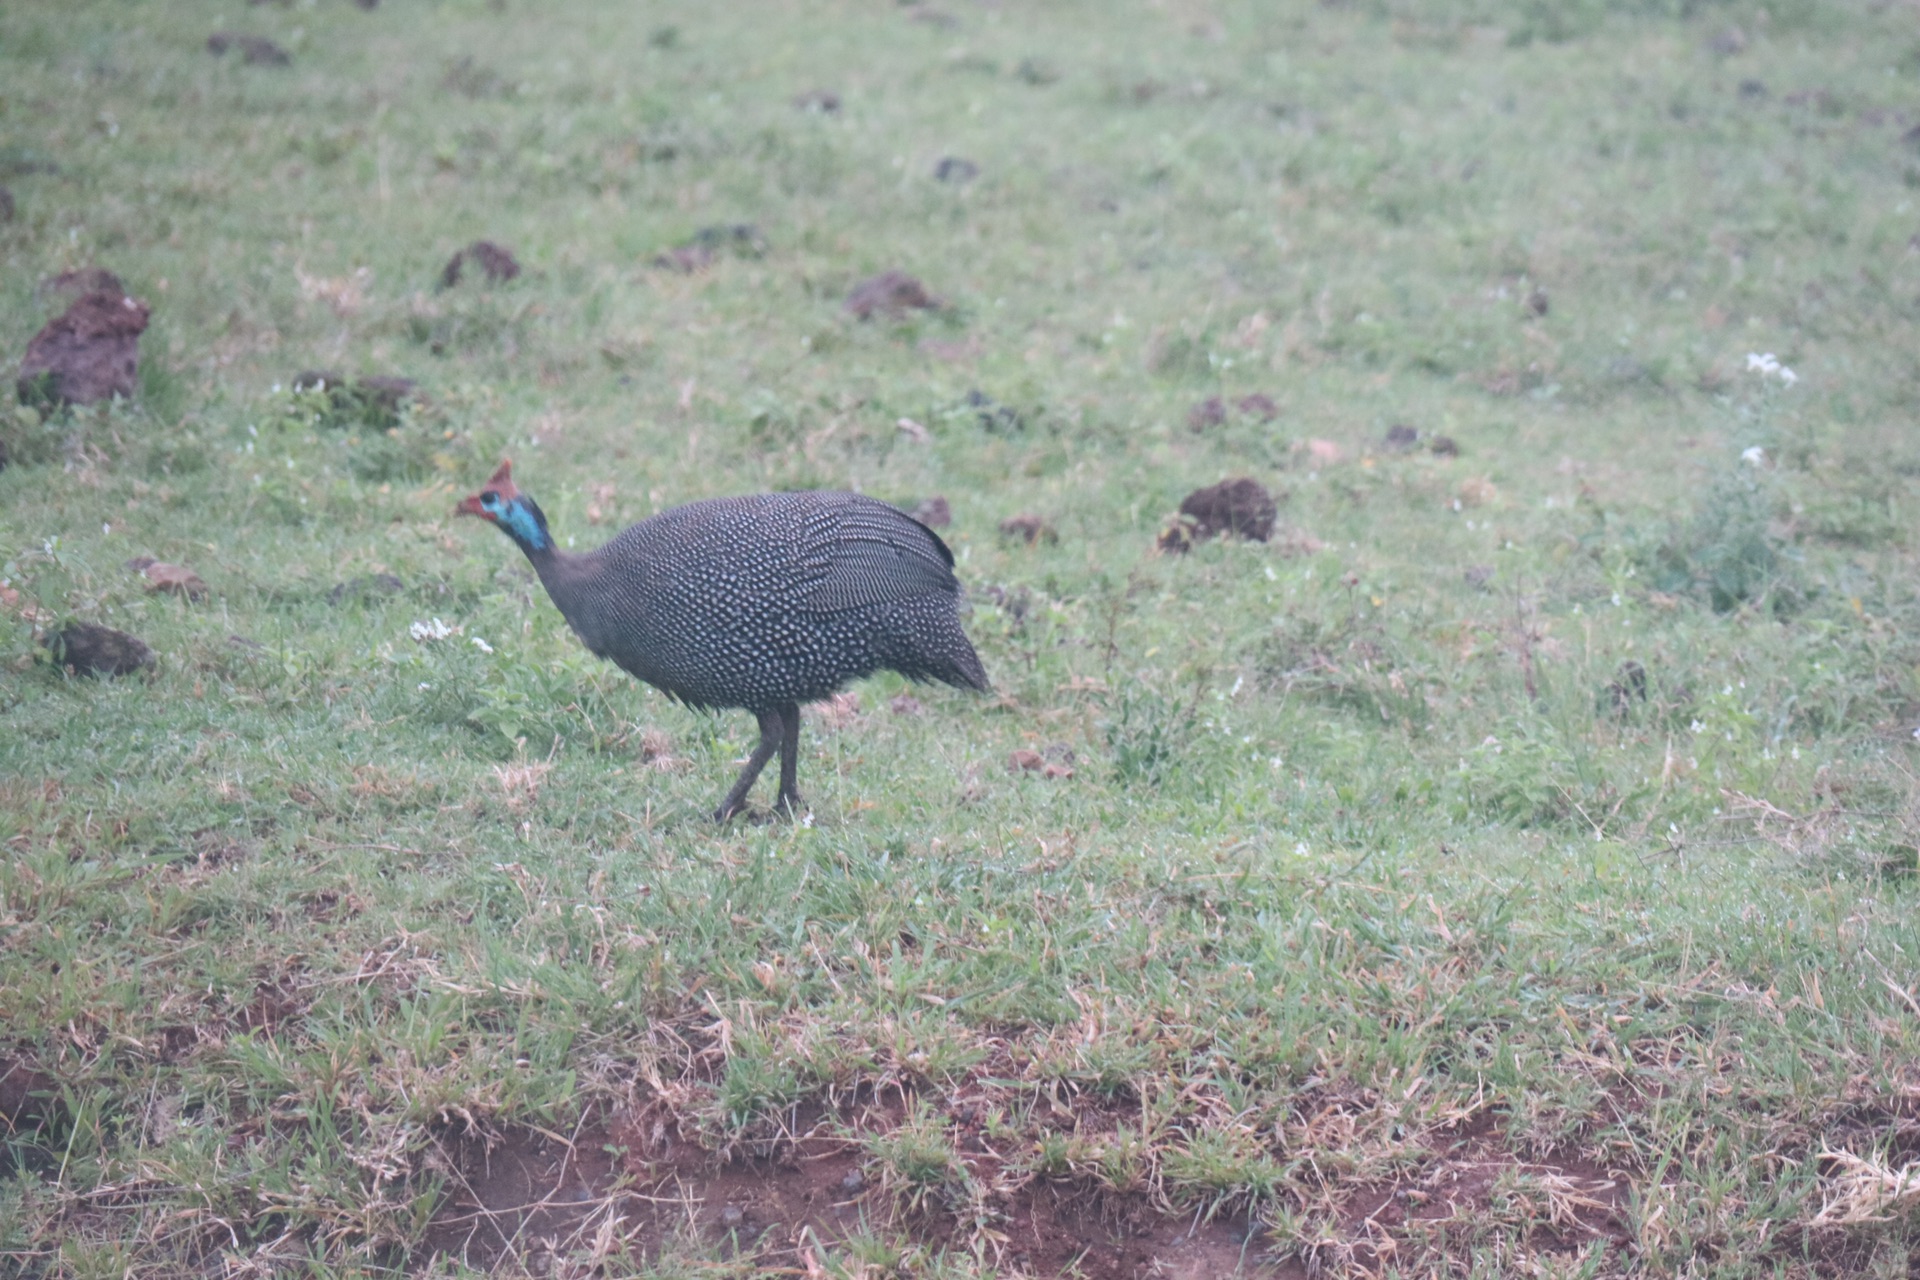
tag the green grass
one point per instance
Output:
(1550, 805)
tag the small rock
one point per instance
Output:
(172, 579)
(1241, 506)
(1211, 412)
(496, 262)
(892, 293)
(1401, 438)
(255, 50)
(853, 1181)
(733, 1215)
(1538, 302)
(1258, 405)
(89, 649)
(933, 512)
(91, 352)
(1030, 529)
(956, 169)
(824, 101)
(1444, 447)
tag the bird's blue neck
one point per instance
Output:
(525, 524)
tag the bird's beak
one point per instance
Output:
(471, 507)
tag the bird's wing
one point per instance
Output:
(858, 553)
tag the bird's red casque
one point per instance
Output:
(501, 483)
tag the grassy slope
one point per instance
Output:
(1349, 835)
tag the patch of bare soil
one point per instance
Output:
(1559, 1205)
(891, 293)
(528, 1198)
(495, 262)
(89, 352)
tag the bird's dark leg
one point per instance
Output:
(790, 760)
(771, 727)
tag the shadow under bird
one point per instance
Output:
(763, 602)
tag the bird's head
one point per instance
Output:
(517, 515)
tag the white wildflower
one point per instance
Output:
(1695, 727)
(482, 645)
(431, 630)
(1768, 365)
(1754, 456)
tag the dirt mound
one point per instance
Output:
(88, 649)
(495, 262)
(1401, 438)
(256, 50)
(891, 293)
(1240, 506)
(90, 352)
(169, 579)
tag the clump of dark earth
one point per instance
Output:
(957, 169)
(6, 205)
(1211, 412)
(1258, 405)
(1028, 528)
(88, 353)
(1538, 302)
(699, 251)
(1241, 506)
(366, 587)
(1629, 686)
(258, 51)
(495, 262)
(80, 282)
(993, 415)
(933, 512)
(825, 101)
(1401, 438)
(891, 293)
(1444, 447)
(92, 650)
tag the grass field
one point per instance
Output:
(1506, 869)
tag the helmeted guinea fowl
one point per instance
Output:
(763, 602)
